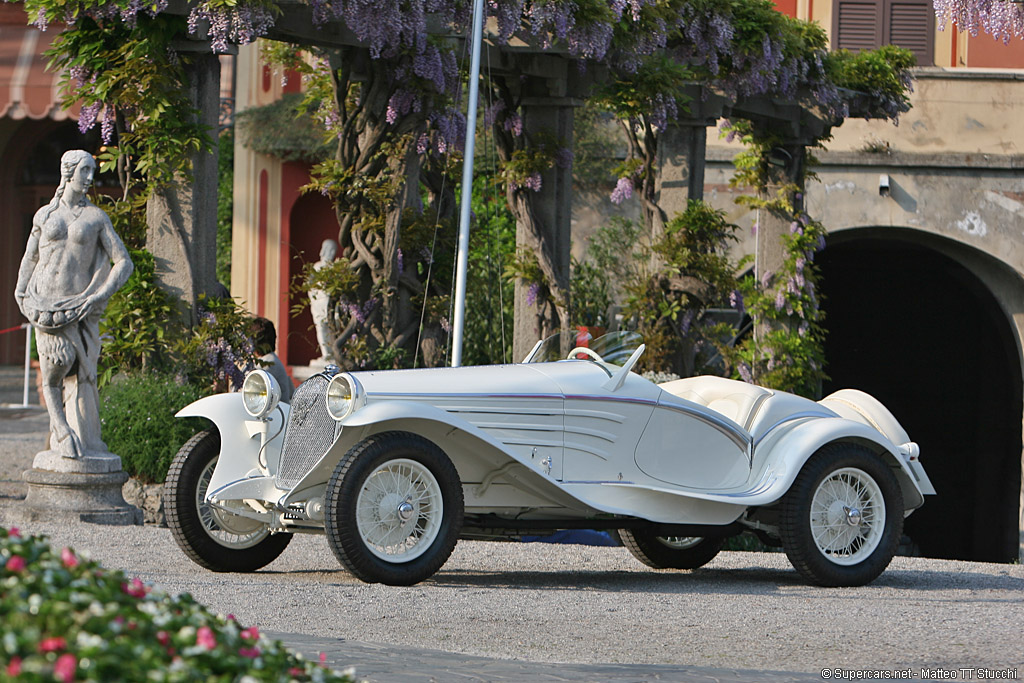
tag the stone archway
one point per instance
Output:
(923, 333)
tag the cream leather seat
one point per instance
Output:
(737, 401)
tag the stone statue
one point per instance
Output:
(73, 263)
(319, 303)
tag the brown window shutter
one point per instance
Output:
(857, 24)
(911, 24)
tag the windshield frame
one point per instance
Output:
(614, 348)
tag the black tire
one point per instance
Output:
(413, 465)
(206, 534)
(854, 545)
(670, 552)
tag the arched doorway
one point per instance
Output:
(922, 333)
(311, 221)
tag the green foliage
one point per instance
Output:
(284, 129)
(669, 305)
(631, 95)
(590, 295)
(138, 423)
(134, 326)
(882, 75)
(64, 617)
(221, 348)
(130, 71)
(490, 295)
(786, 350)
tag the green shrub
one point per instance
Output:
(63, 617)
(137, 417)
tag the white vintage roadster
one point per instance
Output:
(395, 466)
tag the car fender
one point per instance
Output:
(243, 436)
(785, 452)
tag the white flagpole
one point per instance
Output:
(462, 255)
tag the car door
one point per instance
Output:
(689, 445)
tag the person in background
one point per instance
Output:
(265, 337)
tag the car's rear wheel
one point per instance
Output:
(670, 552)
(842, 518)
(212, 537)
(394, 509)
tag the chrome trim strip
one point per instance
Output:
(737, 435)
(733, 432)
(789, 418)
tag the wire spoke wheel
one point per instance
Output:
(670, 552)
(212, 535)
(842, 518)
(399, 510)
(394, 509)
(230, 530)
(847, 516)
(680, 542)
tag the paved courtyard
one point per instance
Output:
(541, 612)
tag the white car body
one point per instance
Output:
(565, 444)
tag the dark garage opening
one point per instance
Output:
(923, 334)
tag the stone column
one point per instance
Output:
(551, 210)
(182, 218)
(680, 165)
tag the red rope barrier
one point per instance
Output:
(12, 329)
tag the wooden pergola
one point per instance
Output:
(182, 220)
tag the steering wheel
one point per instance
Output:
(586, 352)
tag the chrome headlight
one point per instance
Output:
(344, 395)
(260, 393)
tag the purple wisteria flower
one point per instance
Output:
(736, 301)
(623, 190)
(532, 293)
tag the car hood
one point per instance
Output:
(486, 380)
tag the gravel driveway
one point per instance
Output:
(563, 603)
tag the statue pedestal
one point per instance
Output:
(87, 489)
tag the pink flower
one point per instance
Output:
(205, 638)
(65, 667)
(163, 637)
(15, 563)
(67, 556)
(323, 658)
(14, 667)
(250, 652)
(52, 644)
(14, 532)
(251, 633)
(296, 671)
(136, 588)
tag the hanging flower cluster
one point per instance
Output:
(1003, 19)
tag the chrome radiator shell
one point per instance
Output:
(309, 433)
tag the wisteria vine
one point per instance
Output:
(1003, 19)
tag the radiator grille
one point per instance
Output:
(310, 432)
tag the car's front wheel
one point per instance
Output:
(670, 552)
(842, 519)
(213, 537)
(394, 509)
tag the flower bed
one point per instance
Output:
(64, 617)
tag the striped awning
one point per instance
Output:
(27, 88)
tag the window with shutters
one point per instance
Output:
(867, 24)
